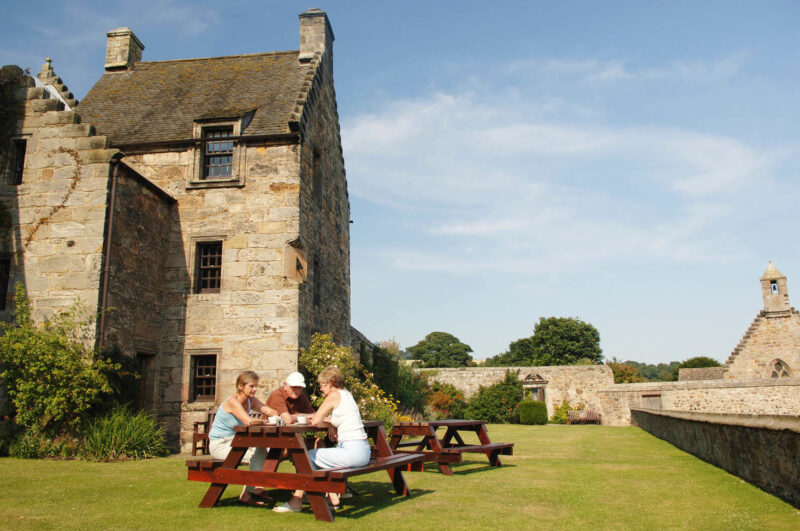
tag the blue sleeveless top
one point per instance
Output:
(224, 423)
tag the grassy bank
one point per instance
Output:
(560, 477)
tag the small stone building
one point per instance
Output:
(201, 202)
(771, 346)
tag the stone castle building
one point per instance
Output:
(202, 202)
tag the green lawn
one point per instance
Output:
(560, 477)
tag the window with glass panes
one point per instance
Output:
(209, 267)
(204, 377)
(218, 153)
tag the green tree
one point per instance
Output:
(696, 362)
(661, 372)
(624, 373)
(555, 341)
(440, 349)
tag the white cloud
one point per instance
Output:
(616, 70)
(497, 187)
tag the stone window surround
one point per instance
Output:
(195, 178)
(188, 357)
(193, 257)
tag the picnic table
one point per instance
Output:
(448, 449)
(292, 438)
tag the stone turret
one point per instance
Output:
(774, 291)
(123, 49)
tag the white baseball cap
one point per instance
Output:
(296, 380)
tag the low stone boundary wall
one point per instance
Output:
(761, 449)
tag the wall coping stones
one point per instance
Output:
(772, 422)
(702, 384)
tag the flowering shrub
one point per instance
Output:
(445, 402)
(373, 403)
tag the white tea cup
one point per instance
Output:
(302, 419)
(275, 419)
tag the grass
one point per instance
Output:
(560, 477)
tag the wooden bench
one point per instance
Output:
(583, 416)
(448, 449)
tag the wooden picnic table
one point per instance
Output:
(450, 446)
(292, 438)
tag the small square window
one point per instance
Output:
(208, 272)
(218, 153)
(204, 377)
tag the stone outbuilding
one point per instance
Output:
(771, 346)
(202, 203)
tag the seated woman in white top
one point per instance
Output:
(235, 411)
(339, 410)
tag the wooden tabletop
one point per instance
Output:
(450, 423)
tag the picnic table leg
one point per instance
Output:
(319, 505)
(215, 490)
(385, 449)
(483, 436)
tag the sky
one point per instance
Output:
(633, 164)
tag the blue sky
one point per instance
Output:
(634, 164)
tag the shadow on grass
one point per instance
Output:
(465, 467)
(369, 497)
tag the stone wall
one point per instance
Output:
(577, 384)
(763, 450)
(702, 373)
(752, 397)
(324, 206)
(56, 216)
(252, 322)
(136, 254)
(770, 337)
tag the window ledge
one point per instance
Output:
(216, 183)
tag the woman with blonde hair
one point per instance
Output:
(338, 410)
(235, 411)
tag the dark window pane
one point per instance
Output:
(218, 153)
(204, 377)
(209, 267)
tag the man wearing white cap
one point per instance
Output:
(289, 400)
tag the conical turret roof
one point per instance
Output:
(772, 273)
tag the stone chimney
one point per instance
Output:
(123, 49)
(316, 34)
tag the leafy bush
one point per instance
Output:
(532, 412)
(373, 403)
(497, 403)
(52, 379)
(560, 413)
(412, 388)
(123, 434)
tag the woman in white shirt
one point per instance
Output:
(340, 411)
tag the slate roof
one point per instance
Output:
(160, 101)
